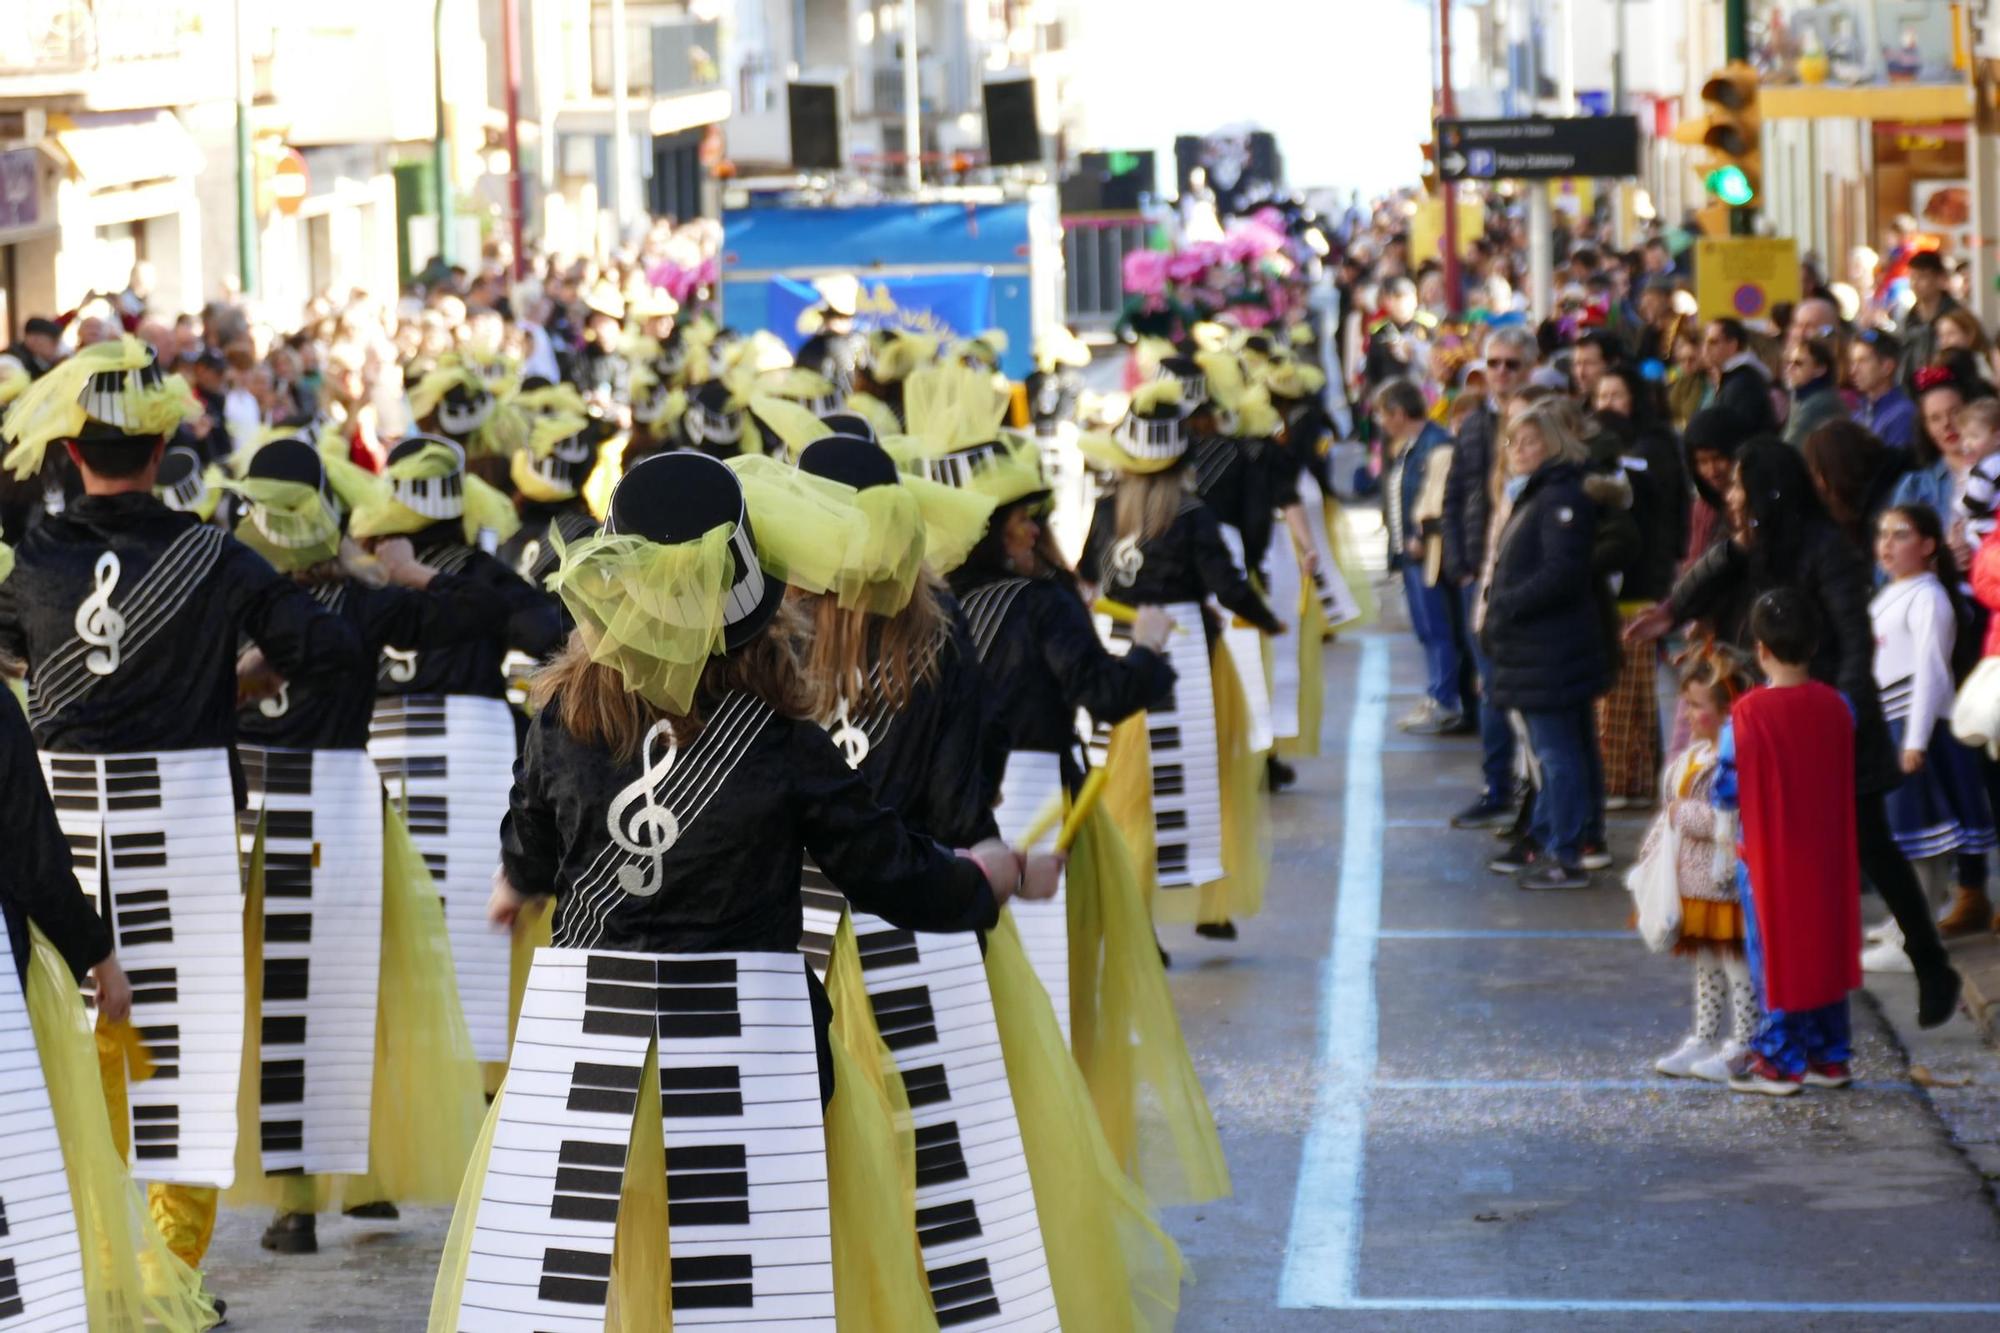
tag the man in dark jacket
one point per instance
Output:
(1468, 509)
(1919, 328)
(1741, 383)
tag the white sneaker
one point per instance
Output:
(1715, 1068)
(1880, 930)
(1887, 956)
(1682, 1062)
(1422, 715)
(1618, 803)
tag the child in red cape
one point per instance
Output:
(1788, 766)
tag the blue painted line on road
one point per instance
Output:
(1477, 1305)
(1592, 1085)
(1627, 935)
(1323, 1247)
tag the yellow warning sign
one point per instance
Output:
(1427, 228)
(1744, 276)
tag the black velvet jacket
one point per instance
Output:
(699, 850)
(182, 596)
(333, 714)
(39, 884)
(1185, 564)
(472, 666)
(1043, 660)
(529, 552)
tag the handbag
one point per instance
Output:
(1654, 883)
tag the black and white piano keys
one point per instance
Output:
(976, 1217)
(1336, 599)
(448, 763)
(1245, 646)
(750, 1242)
(1032, 780)
(1284, 595)
(322, 819)
(41, 1270)
(1180, 733)
(159, 832)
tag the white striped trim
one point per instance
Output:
(986, 610)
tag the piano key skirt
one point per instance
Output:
(78, 1250)
(1111, 1000)
(427, 1093)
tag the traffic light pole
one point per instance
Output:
(1736, 46)
(1454, 285)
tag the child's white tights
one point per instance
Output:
(1723, 978)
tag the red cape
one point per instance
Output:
(1795, 776)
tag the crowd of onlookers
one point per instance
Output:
(1575, 498)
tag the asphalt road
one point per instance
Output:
(1436, 1096)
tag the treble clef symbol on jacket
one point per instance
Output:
(98, 623)
(1126, 561)
(852, 740)
(531, 555)
(639, 824)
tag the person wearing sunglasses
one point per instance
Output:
(1810, 365)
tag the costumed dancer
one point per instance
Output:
(1044, 663)
(1939, 813)
(443, 737)
(1189, 796)
(1054, 388)
(128, 616)
(78, 1251)
(658, 399)
(1702, 844)
(901, 693)
(357, 1061)
(469, 400)
(832, 348)
(1788, 769)
(672, 1049)
(1304, 478)
(888, 357)
(549, 478)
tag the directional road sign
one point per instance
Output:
(1538, 148)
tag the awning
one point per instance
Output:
(126, 147)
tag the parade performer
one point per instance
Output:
(832, 348)
(79, 1251)
(888, 357)
(670, 788)
(128, 616)
(360, 1062)
(1788, 767)
(549, 477)
(1154, 543)
(443, 737)
(1043, 663)
(469, 401)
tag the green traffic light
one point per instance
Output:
(1731, 186)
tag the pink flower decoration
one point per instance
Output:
(1145, 272)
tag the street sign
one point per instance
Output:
(1742, 277)
(1538, 148)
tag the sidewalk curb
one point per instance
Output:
(1977, 958)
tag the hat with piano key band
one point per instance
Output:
(288, 515)
(426, 483)
(112, 392)
(912, 521)
(1152, 436)
(181, 485)
(694, 559)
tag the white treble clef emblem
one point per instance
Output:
(399, 665)
(277, 705)
(639, 824)
(98, 623)
(852, 740)
(530, 554)
(1126, 561)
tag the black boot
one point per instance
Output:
(292, 1233)
(1217, 930)
(1937, 995)
(1278, 773)
(379, 1211)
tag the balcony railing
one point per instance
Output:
(664, 56)
(72, 36)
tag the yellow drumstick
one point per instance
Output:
(1123, 614)
(1079, 810)
(1045, 819)
(123, 1039)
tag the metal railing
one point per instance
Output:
(686, 57)
(1094, 250)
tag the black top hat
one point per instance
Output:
(180, 484)
(848, 423)
(711, 424)
(567, 465)
(433, 497)
(1193, 379)
(289, 460)
(463, 409)
(676, 497)
(849, 460)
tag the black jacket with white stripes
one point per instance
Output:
(529, 623)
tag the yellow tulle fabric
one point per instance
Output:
(1125, 1033)
(289, 523)
(1128, 799)
(603, 478)
(532, 484)
(379, 514)
(51, 408)
(894, 355)
(450, 1286)
(6, 561)
(1356, 578)
(428, 1092)
(1013, 471)
(1112, 1268)
(881, 417)
(954, 519)
(794, 426)
(563, 398)
(878, 1270)
(808, 529)
(1246, 826)
(889, 555)
(951, 406)
(132, 1282)
(651, 612)
(1307, 644)
(534, 928)
(488, 509)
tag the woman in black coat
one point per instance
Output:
(1542, 630)
(1780, 535)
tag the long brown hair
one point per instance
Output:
(596, 707)
(845, 645)
(1147, 503)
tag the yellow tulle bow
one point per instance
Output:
(289, 523)
(808, 529)
(652, 612)
(51, 408)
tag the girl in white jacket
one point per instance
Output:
(1940, 811)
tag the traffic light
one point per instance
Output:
(1731, 133)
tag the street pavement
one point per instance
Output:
(1436, 1095)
